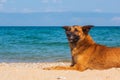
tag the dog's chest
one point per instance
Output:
(77, 55)
(81, 56)
(74, 51)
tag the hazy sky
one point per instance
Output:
(106, 12)
(106, 6)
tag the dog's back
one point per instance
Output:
(105, 57)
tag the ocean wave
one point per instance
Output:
(54, 43)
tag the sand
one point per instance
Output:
(34, 71)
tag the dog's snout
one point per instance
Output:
(72, 37)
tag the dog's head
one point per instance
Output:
(77, 33)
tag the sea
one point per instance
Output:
(47, 43)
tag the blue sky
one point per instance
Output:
(106, 6)
(100, 7)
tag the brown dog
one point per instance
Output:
(86, 54)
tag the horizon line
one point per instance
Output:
(52, 26)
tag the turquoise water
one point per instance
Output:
(46, 44)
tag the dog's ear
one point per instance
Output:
(67, 28)
(86, 28)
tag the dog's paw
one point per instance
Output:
(47, 68)
(54, 68)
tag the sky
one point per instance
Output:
(101, 7)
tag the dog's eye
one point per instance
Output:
(76, 30)
(68, 29)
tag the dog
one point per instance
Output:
(86, 54)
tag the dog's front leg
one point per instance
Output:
(75, 67)
(60, 68)
(73, 62)
(80, 67)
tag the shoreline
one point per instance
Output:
(34, 71)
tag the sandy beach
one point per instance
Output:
(34, 71)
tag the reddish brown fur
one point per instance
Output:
(86, 54)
